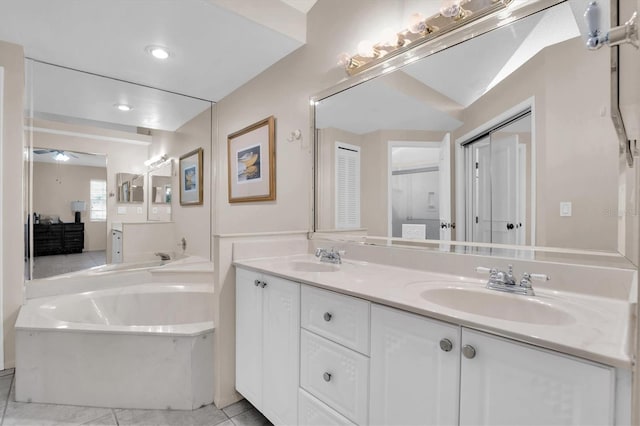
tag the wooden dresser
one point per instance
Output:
(58, 238)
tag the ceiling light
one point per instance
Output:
(123, 107)
(158, 52)
(61, 157)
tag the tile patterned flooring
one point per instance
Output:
(47, 266)
(33, 414)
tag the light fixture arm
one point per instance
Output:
(627, 33)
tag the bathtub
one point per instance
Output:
(147, 346)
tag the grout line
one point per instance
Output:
(115, 417)
(6, 402)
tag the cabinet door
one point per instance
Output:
(507, 383)
(281, 353)
(249, 336)
(413, 380)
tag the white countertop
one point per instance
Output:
(599, 329)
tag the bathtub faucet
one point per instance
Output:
(163, 256)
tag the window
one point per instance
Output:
(347, 177)
(98, 192)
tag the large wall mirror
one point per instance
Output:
(505, 138)
(99, 153)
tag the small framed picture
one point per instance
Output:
(251, 153)
(191, 178)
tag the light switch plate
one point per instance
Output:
(565, 208)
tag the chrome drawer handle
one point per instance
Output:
(446, 345)
(327, 316)
(469, 351)
(326, 377)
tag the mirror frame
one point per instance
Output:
(428, 48)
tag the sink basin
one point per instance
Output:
(493, 304)
(305, 266)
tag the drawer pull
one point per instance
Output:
(263, 284)
(256, 283)
(327, 316)
(446, 345)
(469, 351)
(326, 377)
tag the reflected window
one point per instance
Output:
(98, 193)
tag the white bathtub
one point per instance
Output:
(146, 346)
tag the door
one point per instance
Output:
(445, 189)
(249, 336)
(414, 380)
(281, 342)
(479, 167)
(508, 383)
(504, 188)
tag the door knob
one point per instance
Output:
(446, 345)
(327, 316)
(469, 351)
(326, 377)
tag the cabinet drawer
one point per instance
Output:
(335, 375)
(312, 412)
(340, 318)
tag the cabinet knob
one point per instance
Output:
(327, 316)
(446, 345)
(263, 284)
(469, 351)
(256, 283)
(326, 377)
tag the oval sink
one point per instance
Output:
(498, 305)
(304, 266)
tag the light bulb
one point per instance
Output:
(389, 38)
(416, 23)
(344, 59)
(365, 49)
(61, 157)
(450, 8)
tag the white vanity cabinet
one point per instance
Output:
(505, 382)
(334, 357)
(423, 371)
(414, 369)
(267, 344)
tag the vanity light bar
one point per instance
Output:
(428, 29)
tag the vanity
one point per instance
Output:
(371, 343)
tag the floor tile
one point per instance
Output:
(237, 408)
(208, 415)
(251, 417)
(108, 420)
(27, 414)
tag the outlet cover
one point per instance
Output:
(565, 208)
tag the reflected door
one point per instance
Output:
(498, 184)
(444, 165)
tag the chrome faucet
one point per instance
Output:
(505, 281)
(163, 256)
(330, 256)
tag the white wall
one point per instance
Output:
(12, 60)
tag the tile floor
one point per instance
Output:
(47, 266)
(32, 414)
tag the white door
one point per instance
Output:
(504, 188)
(249, 336)
(281, 342)
(508, 383)
(444, 167)
(479, 168)
(413, 380)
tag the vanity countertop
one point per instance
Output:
(599, 328)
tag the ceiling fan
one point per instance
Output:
(58, 154)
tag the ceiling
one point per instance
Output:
(456, 77)
(215, 47)
(75, 158)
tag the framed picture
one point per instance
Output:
(251, 153)
(191, 178)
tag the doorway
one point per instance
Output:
(420, 190)
(498, 190)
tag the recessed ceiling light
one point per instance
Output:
(158, 52)
(123, 107)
